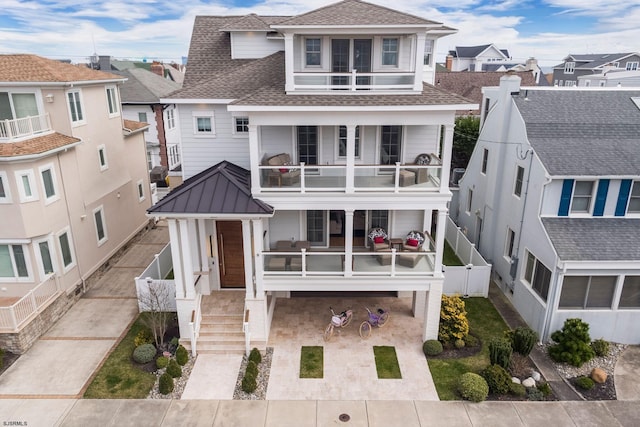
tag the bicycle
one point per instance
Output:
(337, 321)
(379, 319)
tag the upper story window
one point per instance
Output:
(307, 140)
(17, 105)
(517, 188)
(142, 117)
(171, 119)
(632, 66)
(582, 196)
(469, 200)
(313, 52)
(203, 123)
(342, 142)
(5, 195)
(45, 262)
(428, 52)
(66, 250)
(580, 292)
(14, 263)
(241, 125)
(390, 144)
(112, 101)
(569, 67)
(102, 157)
(49, 183)
(390, 52)
(101, 229)
(634, 198)
(509, 245)
(26, 186)
(75, 107)
(140, 188)
(485, 160)
(538, 276)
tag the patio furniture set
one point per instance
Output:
(292, 263)
(381, 243)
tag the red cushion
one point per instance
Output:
(412, 242)
(284, 170)
(378, 239)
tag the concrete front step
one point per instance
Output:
(210, 319)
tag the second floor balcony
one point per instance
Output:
(354, 81)
(17, 129)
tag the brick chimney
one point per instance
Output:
(449, 62)
(157, 68)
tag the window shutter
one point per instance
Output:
(601, 197)
(565, 197)
(623, 197)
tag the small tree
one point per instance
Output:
(156, 303)
(453, 319)
(572, 343)
(465, 137)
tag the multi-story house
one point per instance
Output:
(73, 186)
(552, 197)
(612, 78)
(477, 58)
(574, 66)
(312, 149)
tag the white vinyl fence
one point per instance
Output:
(152, 283)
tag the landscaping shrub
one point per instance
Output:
(255, 356)
(471, 341)
(144, 353)
(523, 339)
(453, 319)
(545, 388)
(517, 389)
(585, 383)
(251, 368)
(249, 384)
(473, 387)
(182, 356)
(165, 383)
(534, 394)
(432, 348)
(497, 378)
(519, 366)
(572, 343)
(500, 352)
(174, 369)
(162, 362)
(600, 347)
(143, 337)
(459, 344)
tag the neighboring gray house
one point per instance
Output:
(612, 78)
(477, 58)
(551, 197)
(574, 66)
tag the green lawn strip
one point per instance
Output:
(450, 258)
(312, 361)
(118, 377)
(386, 362)
(485, 323)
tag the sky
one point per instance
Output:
(548, 30)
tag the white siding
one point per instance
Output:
(284, 225)
(418, 140)
(406, 221)
(253, 45)
(275, 140)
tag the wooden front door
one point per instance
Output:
(231, 254)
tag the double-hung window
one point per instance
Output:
(75, 107)
(142, 117)
(390, 52)
(582, 195)
(241, 125)
(632, 66)
(428, 52)
(171, 119)
(203, 123)
(569, 67)
(112, 101)
(538, 276)
(49, 183)
(313, 52)
(14, 264)
(342, 142)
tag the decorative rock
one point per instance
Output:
(598, 375)
(535, 375)
(529, 382)
(516, 380)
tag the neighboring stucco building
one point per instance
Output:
(551, 197)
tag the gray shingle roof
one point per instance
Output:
(583, 132)
(251, 22)
(143, 86)
(222, 189)
(595, 239)
(355, 12)
(592, 61)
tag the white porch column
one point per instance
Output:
(247, 247)
(427, 221)
(446, 157)
(254, 157)
(204, 257)
(348, 243)
(440, 232)
(351, 154)
(176, 257)
(288, 61)
(418, 304)
(431, 322)
(419, 60)
(187, 261)
(258, 245)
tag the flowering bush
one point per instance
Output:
(453, 319)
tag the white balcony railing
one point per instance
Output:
(12, 318)
(354, 81)
(24, 127)
(173, 154)
(365, 178)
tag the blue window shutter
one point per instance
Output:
(623, 197)
(601, 197)
(565, 198)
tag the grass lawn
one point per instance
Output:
(119, 378)
(386, 362)
(485, 323)
(450, 258)
(312, 362)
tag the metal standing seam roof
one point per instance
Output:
(223, 189)
(594, 239)
(583, 132)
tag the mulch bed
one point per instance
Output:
(8, 360)
(604, 391)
